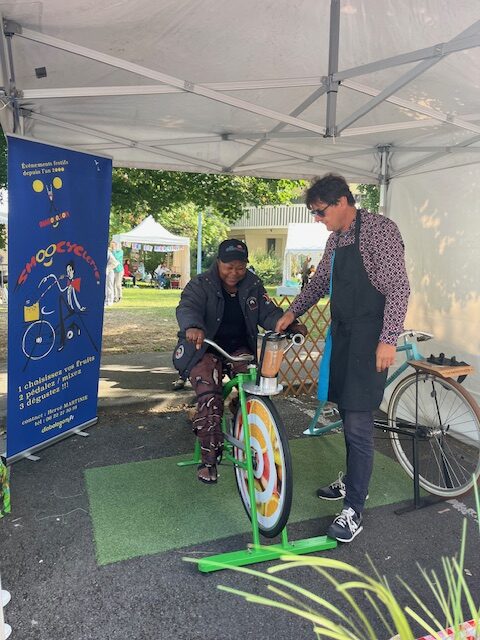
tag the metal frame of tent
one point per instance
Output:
(24, 109)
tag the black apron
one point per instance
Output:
(357, 318)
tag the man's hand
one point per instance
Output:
(196, 336)
(385, 355)
(284, 322)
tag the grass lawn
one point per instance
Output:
(143, 321)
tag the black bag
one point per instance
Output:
(186, 356)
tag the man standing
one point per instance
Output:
(225, 304)
(369, 292)
(118, 271)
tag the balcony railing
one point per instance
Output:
(272, 216)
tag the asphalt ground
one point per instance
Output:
(59, 590)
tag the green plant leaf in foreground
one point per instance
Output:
(450, 591)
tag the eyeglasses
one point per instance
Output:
(319, 212)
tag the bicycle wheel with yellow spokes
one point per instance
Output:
(272, 465)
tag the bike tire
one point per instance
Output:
(449, 433)
(272, 465)
(38, 340)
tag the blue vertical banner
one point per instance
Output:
(59, 207)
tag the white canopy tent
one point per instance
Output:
(308, 239)
(383, 91)
(151, 236)
(3, 206)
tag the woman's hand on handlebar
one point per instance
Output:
(197, 336)
(284, 322)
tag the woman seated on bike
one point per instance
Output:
(224, 304)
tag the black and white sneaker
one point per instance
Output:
(334, 491)
(346, 526)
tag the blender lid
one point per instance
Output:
(272, 336)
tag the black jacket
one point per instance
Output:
(202, 304)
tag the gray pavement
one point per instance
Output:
(128, 379)
(48, 554)
(131, 379)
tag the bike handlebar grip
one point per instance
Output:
(298, 339)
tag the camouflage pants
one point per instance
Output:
(206, 378)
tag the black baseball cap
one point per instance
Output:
(232, 249)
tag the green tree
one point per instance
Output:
(370, 196)
(137, 193)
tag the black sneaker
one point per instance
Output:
(346, 526)
(334, 491)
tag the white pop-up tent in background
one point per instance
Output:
(150, 235)
(303, 239)
(388, 94)
(3, 206)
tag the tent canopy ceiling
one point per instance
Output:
(269, 88)
(152, 233)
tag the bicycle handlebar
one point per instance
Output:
(295, 338)
(421, 336)
(244, 357)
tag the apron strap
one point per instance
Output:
(324, 371)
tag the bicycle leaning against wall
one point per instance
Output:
(432, 410)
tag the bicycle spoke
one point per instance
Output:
(448, 433)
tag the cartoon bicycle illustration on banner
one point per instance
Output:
(42, 335)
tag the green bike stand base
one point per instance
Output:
(254, 554)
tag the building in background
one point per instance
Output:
(264, 229)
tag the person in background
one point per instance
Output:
(305, 272)
(142, 272)
(118, 271)
(365, 258)
(161, 276)
(225, 304)
(127, 273)
(112, 262)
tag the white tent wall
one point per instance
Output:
(439, 217)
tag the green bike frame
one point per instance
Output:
(255, 552)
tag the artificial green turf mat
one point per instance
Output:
(143, 508)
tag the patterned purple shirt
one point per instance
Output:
(382, 251)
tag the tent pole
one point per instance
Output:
(332, 91)
(383, 180)
(199, 244)
(10, 120)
